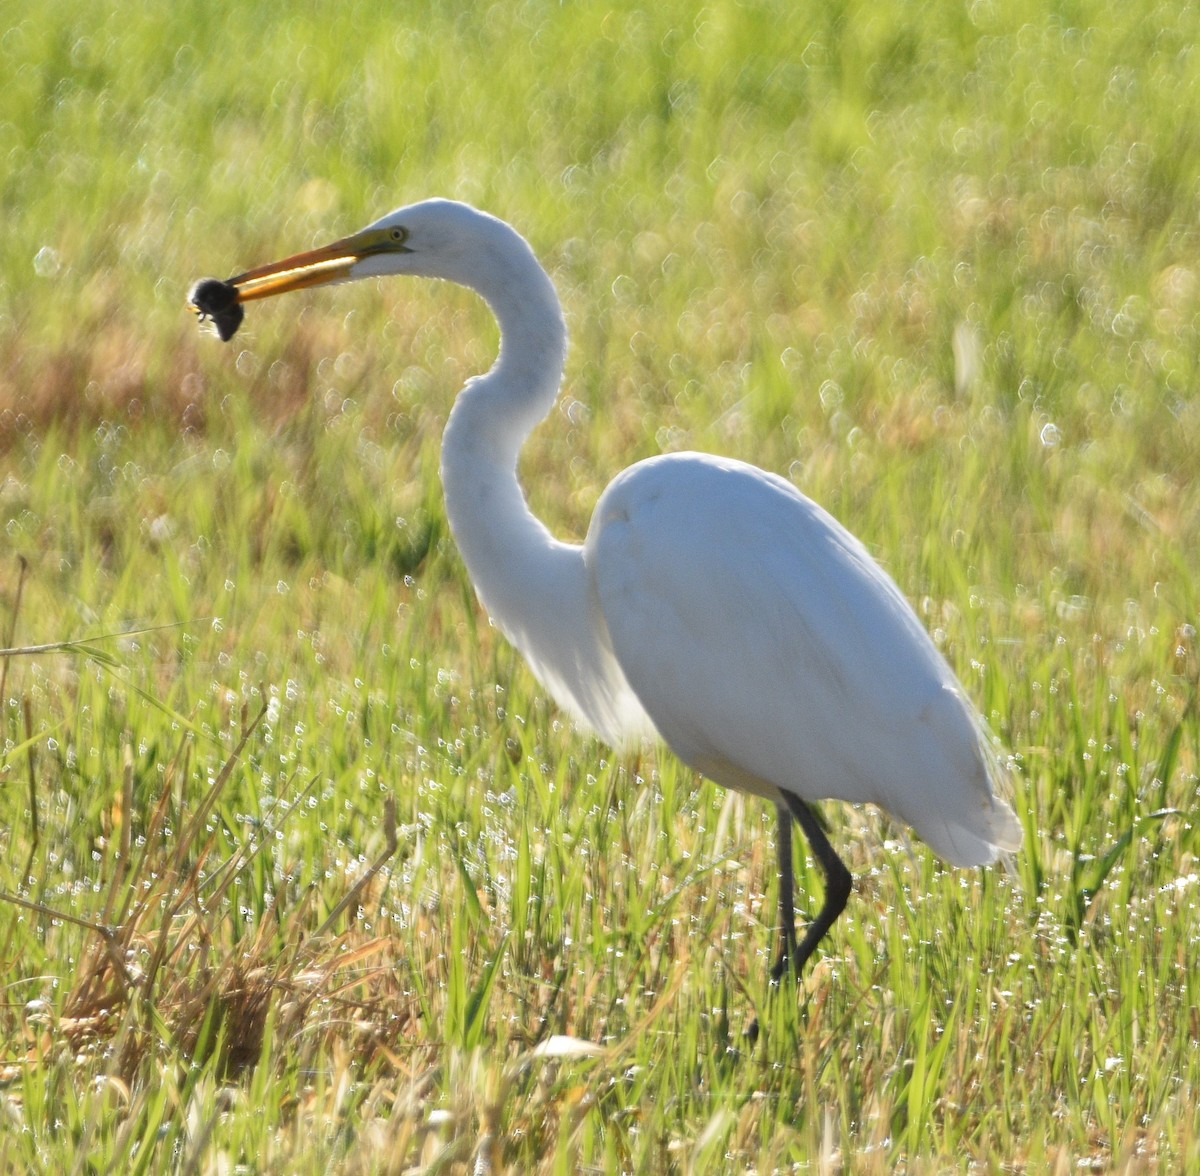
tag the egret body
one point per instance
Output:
(711, 604)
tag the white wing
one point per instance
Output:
(774, 654)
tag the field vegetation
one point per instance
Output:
(300, 870)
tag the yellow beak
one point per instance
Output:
(316, 267)
(221, 301)
(329, 263)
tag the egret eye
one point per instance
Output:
(215, 300)
(398, 235)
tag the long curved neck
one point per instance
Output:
(495, 413)
(493, 416)
(535, 588)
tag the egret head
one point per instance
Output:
(439, 239)
(433, 239)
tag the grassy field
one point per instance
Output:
(301, 873)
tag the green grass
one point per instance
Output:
(773, 228)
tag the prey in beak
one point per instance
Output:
(217, 301)
(222, 302)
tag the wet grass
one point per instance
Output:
(301, 871)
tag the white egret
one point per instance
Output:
(711, 602)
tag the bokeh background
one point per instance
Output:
(937, 263)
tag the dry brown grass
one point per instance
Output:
(159, 969)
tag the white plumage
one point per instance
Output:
(711, 602)
(774, 655)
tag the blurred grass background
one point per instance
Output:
(936, 263)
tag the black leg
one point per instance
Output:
(838, 883)
(787, 886)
